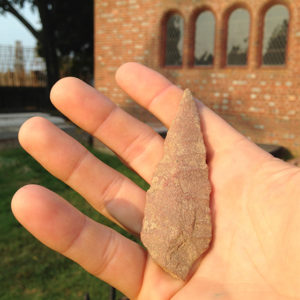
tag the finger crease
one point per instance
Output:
(76, 166)
(158, 95)
(110, 249)
(112, 188)
(104, 121)
(134, 150)
(75, 238)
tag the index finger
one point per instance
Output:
(158, 95)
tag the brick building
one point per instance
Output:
(241, 58)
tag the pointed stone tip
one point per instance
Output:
(186, 97)
(187, 100)
(187, 93)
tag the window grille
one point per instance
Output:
(204, 39)
(275, 35)
(238, 37)
(21, 66)
(174, 40)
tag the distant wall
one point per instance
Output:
(262, 102)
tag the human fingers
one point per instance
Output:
(97, 248)
(227, 149)
(232, 159)
(135, 142)
(161, 97)
(111, 193)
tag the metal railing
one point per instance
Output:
(21, 67)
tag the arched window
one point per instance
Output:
(204, 39)
(238, 37)
(275, 35)
(174, 40)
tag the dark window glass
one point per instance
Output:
(238, 37)
(275, 35)
(204, 39)
(174, 41)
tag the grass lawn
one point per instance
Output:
(29, 270)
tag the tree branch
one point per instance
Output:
(6, 6)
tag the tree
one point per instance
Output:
(237, 56)
(173, 56)
(74, 23)
(205, 59)
(276, 51)
(66, 37)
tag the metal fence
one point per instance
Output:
(21, 67)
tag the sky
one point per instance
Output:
(11, 29)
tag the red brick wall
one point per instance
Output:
(261, 102)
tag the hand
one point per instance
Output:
(255, 252)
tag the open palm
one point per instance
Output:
(255, 200)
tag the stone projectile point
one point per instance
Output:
(177, 223)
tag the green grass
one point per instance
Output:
(28, 269)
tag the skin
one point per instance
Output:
(255, 252)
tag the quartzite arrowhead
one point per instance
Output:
(177, 223)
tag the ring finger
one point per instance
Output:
(111, 193)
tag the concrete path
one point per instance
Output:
(11, 123)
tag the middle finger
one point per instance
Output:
(137, 143)
(110, 192)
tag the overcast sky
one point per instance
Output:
(12, 30)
